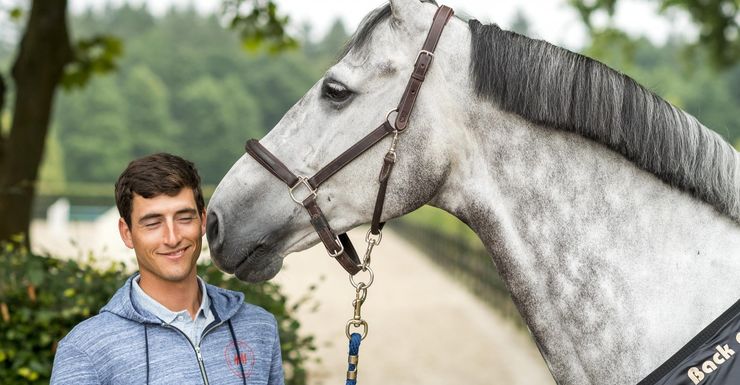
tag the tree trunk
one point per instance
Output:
(3, 90)
(42, 55)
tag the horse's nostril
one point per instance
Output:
(213, 232)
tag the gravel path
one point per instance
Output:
(424, 327)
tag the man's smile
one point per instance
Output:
(174, 254)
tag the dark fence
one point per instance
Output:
(468, 262)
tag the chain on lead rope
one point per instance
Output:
(356, 321)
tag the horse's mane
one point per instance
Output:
(554, 87)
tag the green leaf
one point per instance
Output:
(36, 276)
(16, 14)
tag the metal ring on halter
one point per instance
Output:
(301, 180)
(356, 323)
(388, 118)
(368, 283)
(376, 240)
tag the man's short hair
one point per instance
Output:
(154, 175)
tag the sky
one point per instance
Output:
(552, 20)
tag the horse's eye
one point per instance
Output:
(335, 92)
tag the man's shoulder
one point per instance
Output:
(256, 312)
(99, 329)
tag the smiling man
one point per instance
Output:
(166, 325)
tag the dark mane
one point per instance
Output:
(552, 86)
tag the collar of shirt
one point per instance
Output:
(145, 302)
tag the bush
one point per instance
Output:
(42, 298)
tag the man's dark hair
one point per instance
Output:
(155, 175)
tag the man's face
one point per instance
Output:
(166, 233)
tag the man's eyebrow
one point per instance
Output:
(187, 211)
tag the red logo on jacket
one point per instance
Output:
(245, 354)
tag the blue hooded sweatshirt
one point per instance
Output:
(126, 345)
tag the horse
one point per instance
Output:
(612, 216)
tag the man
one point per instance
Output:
(165, 325)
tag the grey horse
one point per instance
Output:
(613, 216)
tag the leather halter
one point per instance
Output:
(339, 246)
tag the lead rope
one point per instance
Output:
(354, 350)
(356, 321)
(372, 238)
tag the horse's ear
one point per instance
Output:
(404, 9)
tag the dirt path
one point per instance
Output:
(424, 327)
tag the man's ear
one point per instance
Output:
(125, 232)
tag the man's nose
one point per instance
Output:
(172, 235)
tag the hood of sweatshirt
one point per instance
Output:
(225, 303)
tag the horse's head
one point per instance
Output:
(253, 222)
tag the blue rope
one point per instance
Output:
(354, 350)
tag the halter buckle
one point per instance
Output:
(338, 252)
(431, 54)
(302, 180)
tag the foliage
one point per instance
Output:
(182, 86)
(259, 25)
(719, 33)
(42, 298)
(97, 146)
(94, 55)
(148, 109)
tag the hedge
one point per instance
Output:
(42, 298)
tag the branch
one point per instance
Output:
(259, 24)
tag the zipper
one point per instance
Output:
(201, 364)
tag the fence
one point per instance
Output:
(466, 261)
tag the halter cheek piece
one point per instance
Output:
(339, 246)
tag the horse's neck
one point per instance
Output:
(605, 261)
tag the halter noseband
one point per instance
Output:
(339, 246)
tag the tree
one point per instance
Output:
(333, 41)
(44, 52)
(717, 20)
(216, 126)
(147, 115)
(47, 58)
(99, 146)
